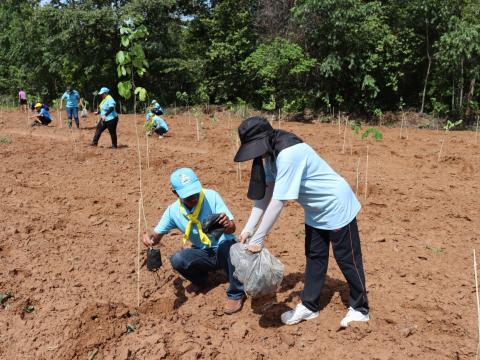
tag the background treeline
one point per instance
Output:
(354, 55)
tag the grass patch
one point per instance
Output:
(5, 140)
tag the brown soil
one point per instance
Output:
(68, 247)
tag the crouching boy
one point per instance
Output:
(207, 253)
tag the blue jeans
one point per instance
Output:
(72, 112)
(195, 264)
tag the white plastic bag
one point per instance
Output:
(260, 273)
(84, 113)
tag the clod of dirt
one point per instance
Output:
(408, 331)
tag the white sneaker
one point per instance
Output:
(160, 136)
(298, 314)
(353, 315)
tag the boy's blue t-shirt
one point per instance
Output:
(72, 98)
(159, 122)
(172, 218)
(45, 113)
(300, 174)
(107, 104)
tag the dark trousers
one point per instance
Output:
(195, 264)
(112, 129)
(160, 131)
(347, 252)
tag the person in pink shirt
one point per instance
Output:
(22, 100)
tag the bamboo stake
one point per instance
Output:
(344, 135)
(356, 186)
(366, 176)
(476, 131)
(401, 124)
(441, 147)
(198, 128)
(478, 301)
(339, 123)
(148, 152)
(138, 249)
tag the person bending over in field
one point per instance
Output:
(207, 253)
(42, 117)
(285, 168)
(160, 126)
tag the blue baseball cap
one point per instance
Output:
(185, 182)
(103, 90)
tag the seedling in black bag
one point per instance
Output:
(154, 259)
(212, 227)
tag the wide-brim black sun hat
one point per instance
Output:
(253, 133)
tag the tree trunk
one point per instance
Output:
(428, 68)
(469, 97)
(460, 97)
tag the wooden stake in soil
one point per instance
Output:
(366, 176)
(401, 124)
(441, 147)
(344, 135)
(339, 123)
(198, 128)
(148, 152)
(357, 176)
(478, 301)
(476, 131)
(139, 234)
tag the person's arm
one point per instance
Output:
(256, 214)
(271, 215)
(153, 239)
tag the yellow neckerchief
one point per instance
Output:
(105, 99)
(193, 219)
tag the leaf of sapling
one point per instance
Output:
(29, 309)
(120, 57)
(125, 41)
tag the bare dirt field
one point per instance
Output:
(68, 247)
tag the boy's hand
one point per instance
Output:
(228, 224)
(223, 220)
(148, 240)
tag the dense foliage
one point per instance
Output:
(353, 55)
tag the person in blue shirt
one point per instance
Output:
(161, 127)
(72, 98)
(43, 117)
(207, 252)
(108, 118)
(285, 168)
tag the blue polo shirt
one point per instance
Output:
(173, 219)
(300, 174)
(72, 98)
(107, 104)
(45, 113)
(159, 122)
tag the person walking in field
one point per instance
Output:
(108, 118)
(72, 98)
(285, 168)
(22, 100)
(207, 253)
(42, 117)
